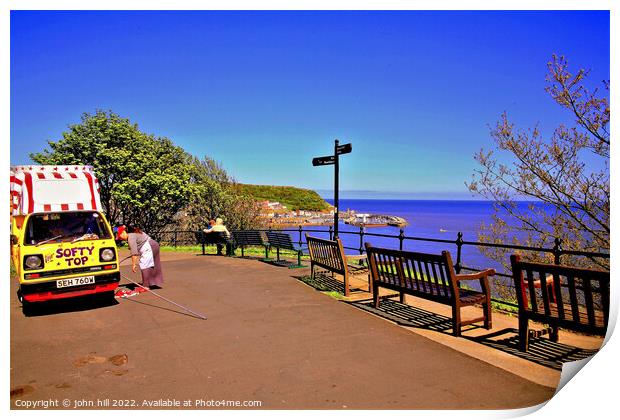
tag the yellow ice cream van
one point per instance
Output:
(61, 243)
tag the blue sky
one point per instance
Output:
(264, 92)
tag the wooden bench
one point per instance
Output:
(431, 277)
(330, 255)
(281, 240)
(575, 298)
(243, 238)
(215, 238)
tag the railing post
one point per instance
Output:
(331, 233)
(175, 238)
(459, 249)
(268, 247)
(300, 234)
(401, 238)
(361, 238)
(557, 251)
(202, 241)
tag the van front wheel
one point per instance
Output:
(27, 308)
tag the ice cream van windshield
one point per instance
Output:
(65, 227)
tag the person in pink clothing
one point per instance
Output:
(145, 253)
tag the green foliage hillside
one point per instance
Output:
(293, 198)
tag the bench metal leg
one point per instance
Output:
(299, 265)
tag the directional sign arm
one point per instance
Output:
(323, 160)
(345, 148)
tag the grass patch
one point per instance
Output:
(248, 251)
(335, 295)
(182, 248)
(508, 309)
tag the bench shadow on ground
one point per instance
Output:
(74, 304)
(541, 350)
(326, 283)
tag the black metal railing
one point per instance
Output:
(185, 238)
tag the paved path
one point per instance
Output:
(268, 337)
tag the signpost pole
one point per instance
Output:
(334, 160)
(336, 207)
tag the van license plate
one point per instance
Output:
(78, 281)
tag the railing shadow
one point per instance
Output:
(541, 350)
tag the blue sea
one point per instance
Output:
(437, 219)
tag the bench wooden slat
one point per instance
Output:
(557, 287)
(437, 269)
(572, 289)
(436, 282)
(604, 291)
(545, 292)
(587, 288)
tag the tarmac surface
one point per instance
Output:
(268, 337)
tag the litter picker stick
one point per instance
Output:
(161, 297)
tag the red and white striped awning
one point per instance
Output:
(50, 188)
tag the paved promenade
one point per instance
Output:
(268, 337)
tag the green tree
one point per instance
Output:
(144, 180)
(103, 140)
(566, 173)
(216, 196)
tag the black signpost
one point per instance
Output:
(333, 160)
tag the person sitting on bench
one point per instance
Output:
(218, 226)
